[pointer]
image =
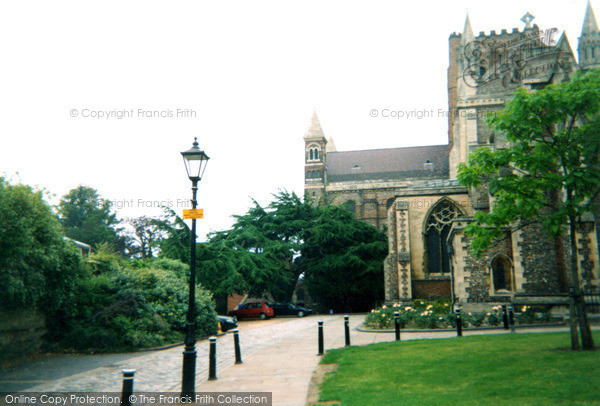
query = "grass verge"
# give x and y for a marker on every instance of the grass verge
(511, 369)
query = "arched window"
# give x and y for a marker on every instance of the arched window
(502, 273)
(316, 153)
(437, 228)
(310, 155)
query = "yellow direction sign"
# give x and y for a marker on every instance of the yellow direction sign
(193, 214)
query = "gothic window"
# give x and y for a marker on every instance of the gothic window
(436, 233)
(502, 273)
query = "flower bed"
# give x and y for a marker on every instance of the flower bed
(423, 314)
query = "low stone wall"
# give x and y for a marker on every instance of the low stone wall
(431, 289)
(21, 333)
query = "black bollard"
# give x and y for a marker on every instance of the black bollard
(212, 359)
(511, 318)
(397, 325)
(505, 317)
(236, 343)
(458, 323)
(347, 330)
(127, 390)
(321, 351)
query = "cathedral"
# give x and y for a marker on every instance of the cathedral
(413, 193)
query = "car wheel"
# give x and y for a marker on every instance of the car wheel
(300, 313)
(263, 316)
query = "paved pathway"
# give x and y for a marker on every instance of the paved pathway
(279, 356)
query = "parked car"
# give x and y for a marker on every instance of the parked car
(289, 309)
(226, 323)
(250, 310)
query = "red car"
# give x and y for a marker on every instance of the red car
(249, 310)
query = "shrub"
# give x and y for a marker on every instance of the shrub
(421, 314)
(126, 309)
(430, 315)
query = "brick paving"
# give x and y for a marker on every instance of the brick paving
(278, 357)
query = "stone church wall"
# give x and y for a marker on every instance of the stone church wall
(473, 275)
(544, 261)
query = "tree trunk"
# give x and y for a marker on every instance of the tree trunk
(573, 325)
(587, 341)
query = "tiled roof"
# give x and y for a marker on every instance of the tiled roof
(426, 162)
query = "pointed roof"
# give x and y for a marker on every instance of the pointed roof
(330, 145)
(589, 21)
(467, 35)
(314, 130)
(563, 44)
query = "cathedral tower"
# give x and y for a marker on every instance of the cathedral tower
(589, 43)
(315, 154)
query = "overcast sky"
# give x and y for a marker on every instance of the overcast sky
(242, 76)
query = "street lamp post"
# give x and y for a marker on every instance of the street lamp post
(195, 163)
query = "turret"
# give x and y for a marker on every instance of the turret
(315, 155)
(588, 49)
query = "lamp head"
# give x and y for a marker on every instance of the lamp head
(195, 161)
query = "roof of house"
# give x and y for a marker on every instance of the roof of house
(426, 162)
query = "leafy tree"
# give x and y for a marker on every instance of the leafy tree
(257, 255)
(86, 217)
(146, 235)
(550, 172)
(269, 248)
(37, 267)
(175, 243)
(342, 260)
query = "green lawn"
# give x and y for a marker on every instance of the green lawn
(510, 369)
